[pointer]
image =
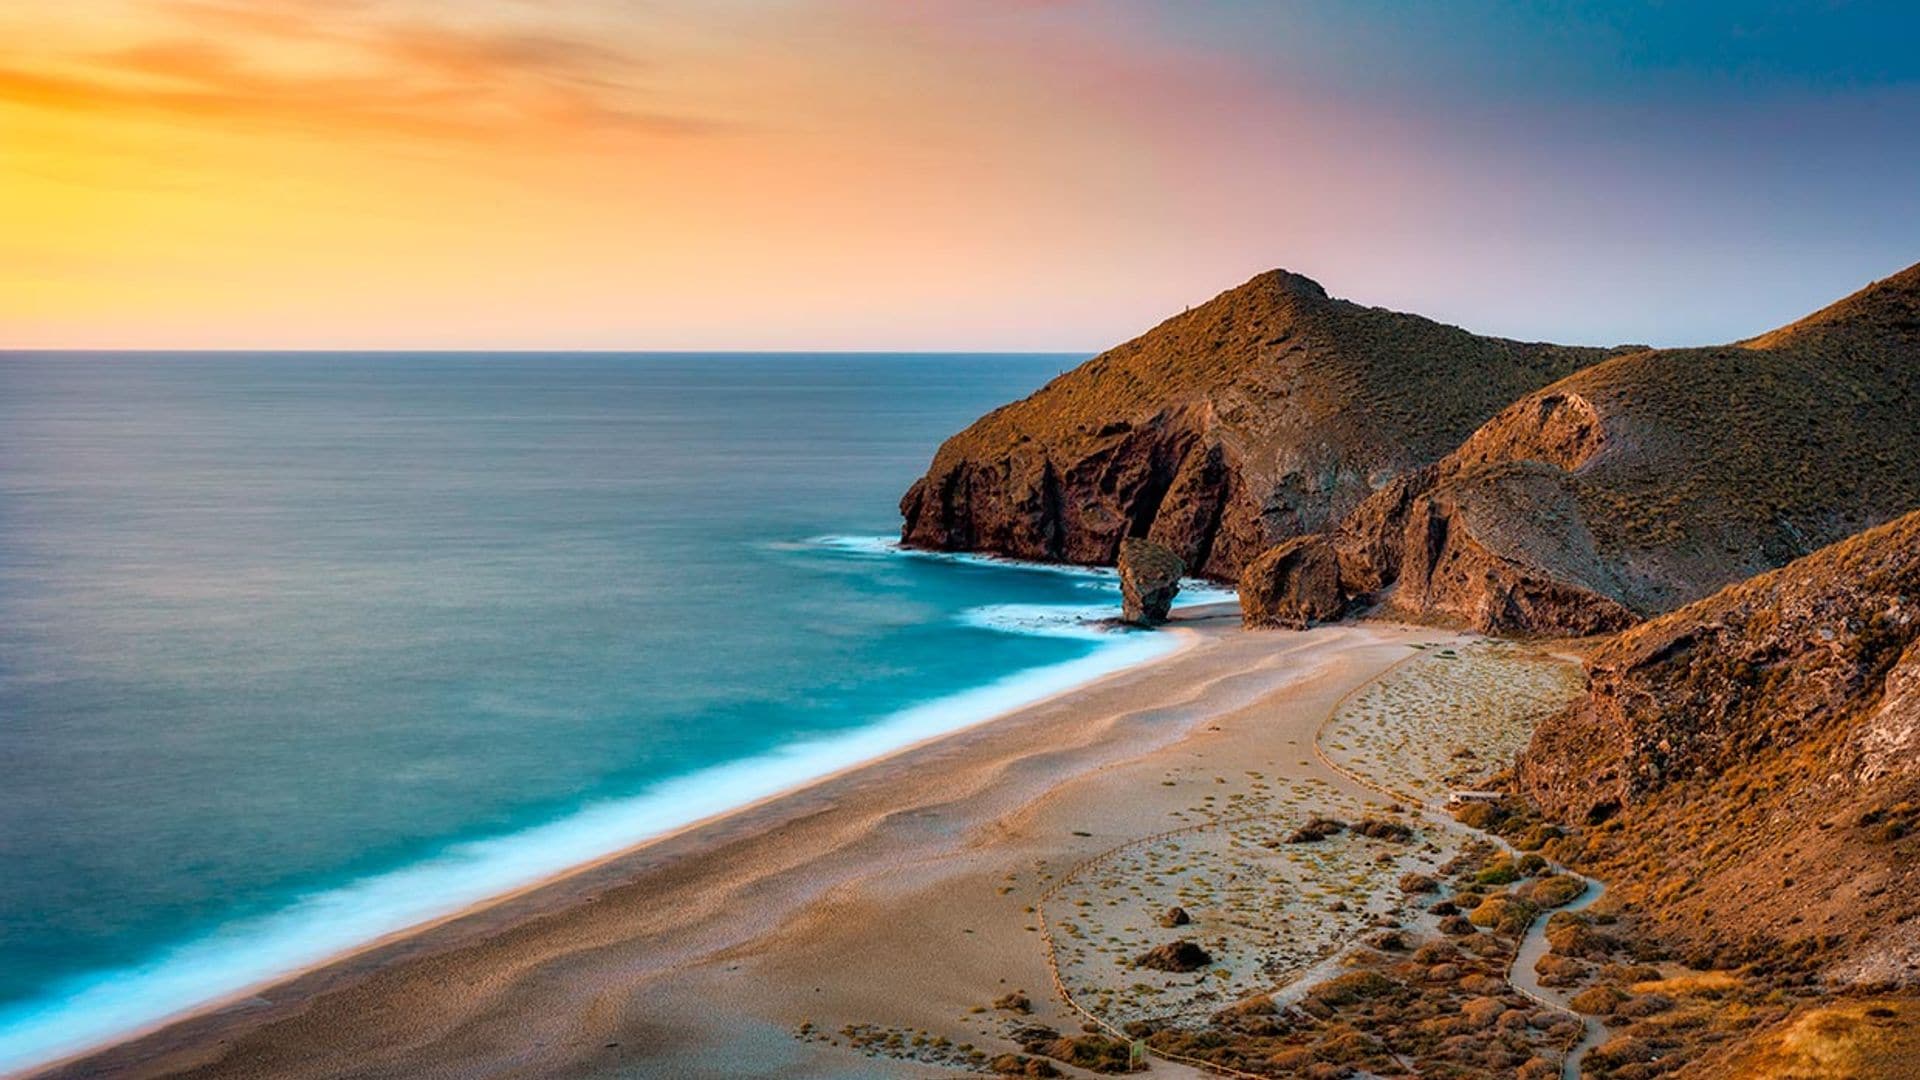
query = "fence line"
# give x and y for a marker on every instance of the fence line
(1072, 873)
(1052, 953)
(1438, 816)
(1427, 810)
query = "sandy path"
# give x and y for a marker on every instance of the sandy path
(1533, 946)
(1403, 735)
(893, 896)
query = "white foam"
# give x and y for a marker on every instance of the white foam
(1093, 622)
(90, 1010)
(1193, 591)
(891, 547)
(1041, 620)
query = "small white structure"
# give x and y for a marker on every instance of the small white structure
(1460, 798)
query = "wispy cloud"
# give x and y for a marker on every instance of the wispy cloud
(352, 64)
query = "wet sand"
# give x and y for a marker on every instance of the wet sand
(896, 898)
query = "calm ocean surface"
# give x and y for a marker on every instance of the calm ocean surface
(296, 650)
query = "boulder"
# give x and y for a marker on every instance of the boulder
(1369, 540)
(1293, 585)
(1149, 580)
(1178, 956)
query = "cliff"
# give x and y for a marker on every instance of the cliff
(1655, 477)
(1748, 767)
(1269, 412)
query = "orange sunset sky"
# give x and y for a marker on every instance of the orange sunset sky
(941, 175)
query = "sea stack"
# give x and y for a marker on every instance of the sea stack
(1149, 579)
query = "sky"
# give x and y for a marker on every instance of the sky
(935, 174)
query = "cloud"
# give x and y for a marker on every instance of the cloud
(349, 64)
(483, 55)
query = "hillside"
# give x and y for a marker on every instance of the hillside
(1268, 412)
(1652, 478)
(1746, 770)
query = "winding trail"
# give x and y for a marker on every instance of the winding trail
(1523, 978)
(1520, 974)
(1533, 944)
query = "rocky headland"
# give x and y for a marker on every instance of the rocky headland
(1330, 457)
(1269, 412)
(1734, 531)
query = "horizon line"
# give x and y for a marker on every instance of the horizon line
(537, 351)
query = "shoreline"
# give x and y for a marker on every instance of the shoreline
(890, 892)
(1184, 640)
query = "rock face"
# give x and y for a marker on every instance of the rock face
(1269, 412)
(1294, 585)
(1506, 550)
(1653, 478)
(1761, 746)
(1149, 580)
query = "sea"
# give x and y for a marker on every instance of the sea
(298, 650)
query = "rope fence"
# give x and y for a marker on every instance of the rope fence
(1073, 873)
(1427, 810)
(1438, 816)
(1052, 952)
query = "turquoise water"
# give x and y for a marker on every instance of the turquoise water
(296, 650)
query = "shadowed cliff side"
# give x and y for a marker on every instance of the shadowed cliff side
(1268, 412)
(1747, 768)
(1653, 478)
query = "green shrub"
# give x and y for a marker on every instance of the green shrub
(1095, 1052)
(1504, 912)
(1501, 871)
(1383, 829)
(1596, 1001)
(1477, 815)
(1537, 837)
(1552, 892)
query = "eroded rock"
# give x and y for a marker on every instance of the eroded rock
(1178, 956)
(1149, 580)
(1763, 712)
(1293, 585)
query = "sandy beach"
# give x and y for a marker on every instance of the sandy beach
(889, 907)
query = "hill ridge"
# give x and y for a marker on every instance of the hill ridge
(1651, 478)
(1267, 412)
(1760, 745)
